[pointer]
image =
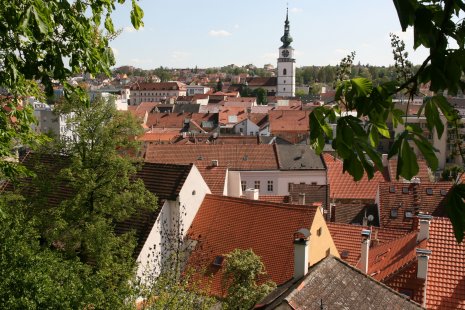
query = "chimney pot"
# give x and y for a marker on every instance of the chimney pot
(424, 221)
(423, 257)
(301, 240)
(365, 250)
(251, 193)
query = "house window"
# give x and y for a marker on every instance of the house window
(284, 73)
(257, 185)
(270, 186)
(393, 213)
(318, 232)
(392, 189)
(314, 183)
(408, 214)
(405, 190)
(443, 192)
(218, 261)
(429, 191)
(243, 185)
(407, 292)
(289, 185)
(284, 81)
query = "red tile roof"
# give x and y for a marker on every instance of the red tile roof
(215, 178)
(348, 238)
(167, 120)
(232, 156)
(223, 224)
(262, 81)
(428, 198)
(343, 186)
(288, 120)
(446, 269)
(423, 172)
(226, 111)
(277, 199)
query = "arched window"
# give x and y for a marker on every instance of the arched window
(284, 71)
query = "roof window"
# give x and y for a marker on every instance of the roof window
(443, 192)
(404, 190)
(393, 213)
(392, 189)
(429, 191)
(199, 157)
(344, 254)
(408, 214)
(218, 261)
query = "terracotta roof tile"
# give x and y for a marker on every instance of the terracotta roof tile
(215, 178)
(223, 224)
(288, 121)
(343, 185)
(348, 239)
(446, 270)
(232, 156)
(408, 198)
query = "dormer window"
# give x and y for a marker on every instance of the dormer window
(408, 214)
(218, 261)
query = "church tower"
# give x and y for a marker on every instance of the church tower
(286, 64)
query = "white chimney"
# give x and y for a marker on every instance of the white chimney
(384, 159)
(424, 221)
(251, 193)
(423, 257)
(365, 250)
(301, 198)
(301, 240)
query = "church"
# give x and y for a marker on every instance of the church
(284, 84)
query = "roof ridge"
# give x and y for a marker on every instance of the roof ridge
(262, 202)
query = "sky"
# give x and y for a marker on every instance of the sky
(215, 33)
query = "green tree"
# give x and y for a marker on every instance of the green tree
(37, 39)
(356, 140)
(79, 196)
(261, 95)
(242, 271)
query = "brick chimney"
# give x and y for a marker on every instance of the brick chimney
(365, 250)
(424, 221)
(301, 240)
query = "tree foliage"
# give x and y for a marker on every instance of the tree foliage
(46, 41)
(358, 136)
(242, 271)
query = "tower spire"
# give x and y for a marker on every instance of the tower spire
(286, 38)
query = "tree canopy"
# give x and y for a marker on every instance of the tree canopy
(434, 27)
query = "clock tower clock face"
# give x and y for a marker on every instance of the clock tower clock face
(285, 53)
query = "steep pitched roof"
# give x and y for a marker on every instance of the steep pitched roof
(289, 120)
(423, 172)
(232, 156)
(215, 178)
(298, 157)
(446, 271)
(262, 81)
(312, 193)
(343, 185)
(398, 201)
(348, 239)
(231, 115)
(168, 120)
(223, 224)
(332, 284)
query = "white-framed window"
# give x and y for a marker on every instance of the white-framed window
(243, 185)
(257, 185)
(270, 186)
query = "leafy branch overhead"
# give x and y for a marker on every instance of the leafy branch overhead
(361, 111)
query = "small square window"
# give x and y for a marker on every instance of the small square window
(289, 185)
(393, 213)
(405, 190)
(392, 189)
(429, 191)
(443, 192)
(408, 214)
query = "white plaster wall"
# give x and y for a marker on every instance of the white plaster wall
(281, 179)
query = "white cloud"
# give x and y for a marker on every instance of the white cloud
(296, 10)
(219, 33)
